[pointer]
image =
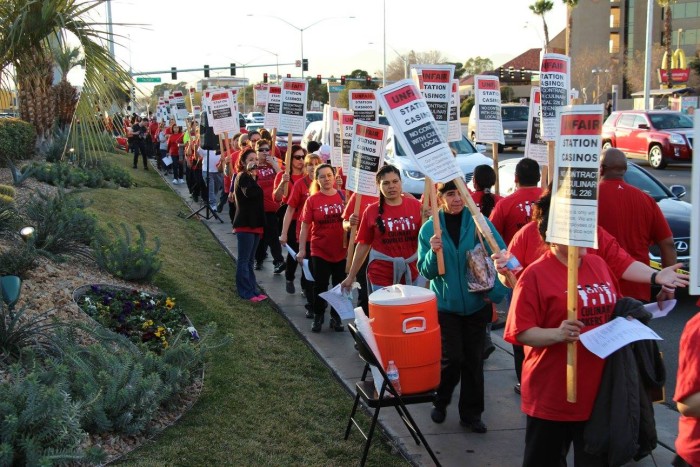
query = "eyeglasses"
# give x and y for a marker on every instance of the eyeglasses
(298, 158)
(263, 149)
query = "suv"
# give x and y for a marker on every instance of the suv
(514, 119)
(254, 117)
(659, 136)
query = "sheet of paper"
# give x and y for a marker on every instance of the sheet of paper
(304, 265)
(339, 300)
(616, 334)
(657, 312)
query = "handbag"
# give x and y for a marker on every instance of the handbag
(481, 273)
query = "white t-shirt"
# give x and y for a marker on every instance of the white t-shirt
(209, 163)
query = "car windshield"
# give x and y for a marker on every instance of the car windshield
(666, 121)
(642, 180)
(514, 114)
(314, 117)
(463, 146)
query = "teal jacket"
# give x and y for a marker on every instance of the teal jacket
(451, 288)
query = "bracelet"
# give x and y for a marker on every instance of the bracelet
(653, 277)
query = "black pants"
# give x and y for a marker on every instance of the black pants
(363, 293)
(138, 147)
(518, 359)
(177, 168)
(271, 238)
(547, 443)
(324, 271)
(462, 359)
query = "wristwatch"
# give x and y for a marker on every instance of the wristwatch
(653, 277)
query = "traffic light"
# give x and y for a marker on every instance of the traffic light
(369, 80)
(233, 69)
(289, 75)
(305, 64)
(173, 73)
(133, 93)
(206, 71)
(511, 72)
(342, 80)
(264, 77)
(500, 72)
(318, 79)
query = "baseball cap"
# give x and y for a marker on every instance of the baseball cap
(325, 152)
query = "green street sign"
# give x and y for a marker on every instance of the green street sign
(147, 79)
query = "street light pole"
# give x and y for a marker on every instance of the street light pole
(384, 49)
(597, 72)
(277, 58)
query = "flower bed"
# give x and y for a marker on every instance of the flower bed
(149, 320)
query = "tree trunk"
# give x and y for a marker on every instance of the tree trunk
(36, 104)
(546, 33)
(669, 53)
(66, 100)
(569, 27)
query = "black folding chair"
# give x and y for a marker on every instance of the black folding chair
(365, 389)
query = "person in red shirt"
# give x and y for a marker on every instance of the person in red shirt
(268, 167)
(687, 396)
(291, 226)
(515, 210)
(633, 218)
(322, 222)
(174, 142)
(388, 231)
(284, 182)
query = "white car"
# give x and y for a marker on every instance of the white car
(255, 117)
(413, 180)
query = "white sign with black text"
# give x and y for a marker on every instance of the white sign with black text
(435, 84)
(272, 108)
(293, 110)
(535, 147)
(487, 98)
(555, 81)
(367, 155)
(695, 217)
(363, 104)
(454, 130)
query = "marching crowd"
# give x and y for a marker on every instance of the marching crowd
(304, 208)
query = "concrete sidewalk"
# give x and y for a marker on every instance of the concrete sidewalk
(504, 443)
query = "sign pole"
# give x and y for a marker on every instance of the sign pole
(288, 161)
(353, 233)
(436, 223)
(494, 151)
(425, 212)
(571, 308)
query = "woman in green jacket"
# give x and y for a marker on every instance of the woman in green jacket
(462, 314)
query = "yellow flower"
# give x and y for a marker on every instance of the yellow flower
(165, 344)
(169, 303)
(147, 324)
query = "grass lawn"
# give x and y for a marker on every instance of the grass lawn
(267, 398)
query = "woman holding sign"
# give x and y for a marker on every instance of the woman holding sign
(462, 314)
(538, 320)
(389, 234)
(322, 223)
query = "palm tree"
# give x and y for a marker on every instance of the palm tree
(66, 59)
(570, 5)
(65, 95)
(25, 59)
(667, 61)
(540, 7)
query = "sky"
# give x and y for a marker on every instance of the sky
(217, 32)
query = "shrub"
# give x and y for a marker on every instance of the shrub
(7, 190)
(20, 175)
(61, 222)
(54, 151)
(17, 260)
(17, 139)
(6, 200)
(90, 174)
(132, 262)
(20, 332)
(9, 217)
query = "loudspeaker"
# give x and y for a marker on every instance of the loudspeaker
(209, 140)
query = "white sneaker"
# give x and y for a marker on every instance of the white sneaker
(181, 181)
(175, 182)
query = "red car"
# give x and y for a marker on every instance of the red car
(659, 136)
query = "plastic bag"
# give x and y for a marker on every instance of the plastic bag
(481, 273)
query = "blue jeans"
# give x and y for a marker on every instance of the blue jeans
(216, 183)
(245, 275)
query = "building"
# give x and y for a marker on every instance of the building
(609, 34)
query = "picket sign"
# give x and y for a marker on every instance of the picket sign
(288, 161)
(489, 124)
(437, 230)
(571, 312)
(425, 211)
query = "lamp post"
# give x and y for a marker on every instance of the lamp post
(597, 72)
(301, 31)
(277, 58)
(403, 59)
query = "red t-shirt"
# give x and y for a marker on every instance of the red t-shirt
(400, 239)
(350, 206)
(477, 195)
(297, 198)
(514, 211)
(635, 220)
(528, 247)
(278, 180)
(266, 180)
(688, 383)
(173, 141)
(539, 300)
(323, 213)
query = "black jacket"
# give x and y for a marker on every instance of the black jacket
(250, 212)
(622, 426)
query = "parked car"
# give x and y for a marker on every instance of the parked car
(514, 118)
(253, 126)
(413, 179)
(676, 211)
(313, 117)
(254, 117)
(282, 139)
(658, 136)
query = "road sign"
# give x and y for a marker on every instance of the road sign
(148, 79)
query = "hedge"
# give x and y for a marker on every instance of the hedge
(17, 140)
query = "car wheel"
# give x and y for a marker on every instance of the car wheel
(607, 145)
(656, 157)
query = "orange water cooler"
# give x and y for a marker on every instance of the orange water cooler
(406, 328)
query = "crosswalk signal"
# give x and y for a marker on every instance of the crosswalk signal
(264, 77)
(305, 64)
(318, 79)
(342, 80)
(173, 73)
(206, 71)
(233, 69)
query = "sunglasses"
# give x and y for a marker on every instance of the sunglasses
(264, 150)
(298, 158)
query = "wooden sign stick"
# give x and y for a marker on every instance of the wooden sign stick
(353, 233)
(436, 223)
(426, 201)
(288, 162)
(551, 146)
(571, 305)
(481, 224)
(494, 151)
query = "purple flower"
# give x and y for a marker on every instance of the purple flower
(95, 288)
(127, 307)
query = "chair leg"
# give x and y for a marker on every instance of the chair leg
(419, 433)
(411, 429)
(352, 415)
(370, 433)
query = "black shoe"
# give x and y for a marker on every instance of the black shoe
(318, 322)
(279, 266)
(289, 287)
(309, 311)
(258, 265)
(438, 414)
(488, 351)
(516, 388)
(477, 426)
(336, 324)
(219, 206)
(135, 167)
